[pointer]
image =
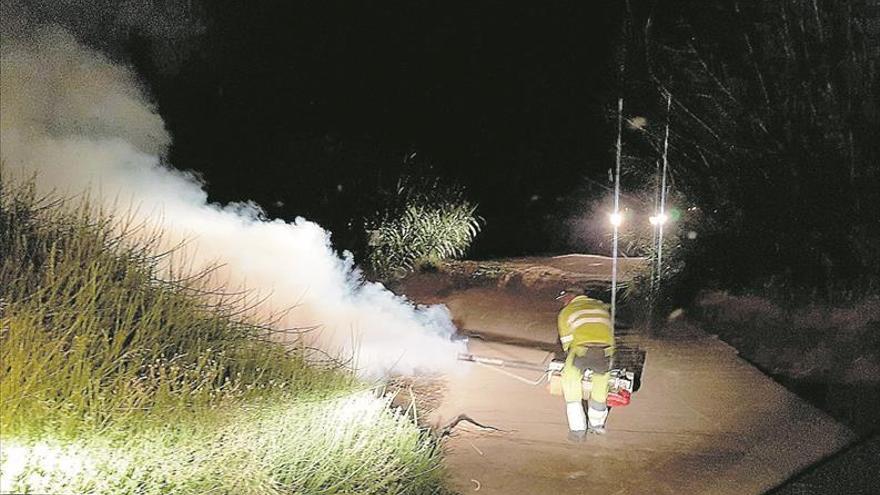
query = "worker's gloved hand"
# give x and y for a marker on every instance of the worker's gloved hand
(596, 430)
(577, 436)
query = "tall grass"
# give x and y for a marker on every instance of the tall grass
(93, 335)
(153, 382)
(352, 444)
(429, 224)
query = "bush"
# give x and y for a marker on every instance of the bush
(422, 228)
(118, 377)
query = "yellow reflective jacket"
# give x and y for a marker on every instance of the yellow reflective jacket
(585, 321)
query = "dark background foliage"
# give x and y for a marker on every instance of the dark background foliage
(318, 108)
(775, 131)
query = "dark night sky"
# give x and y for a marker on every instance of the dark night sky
(283, 101)
(310, 108)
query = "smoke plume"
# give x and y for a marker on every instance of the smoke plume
(79, 122)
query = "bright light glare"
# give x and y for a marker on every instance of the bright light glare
(616, 219)
(355, 411)
(39, 466)
(658, 219)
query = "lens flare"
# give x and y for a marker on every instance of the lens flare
(659, 219)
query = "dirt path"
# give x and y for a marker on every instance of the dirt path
(704, 420)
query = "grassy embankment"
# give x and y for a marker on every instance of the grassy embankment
(117, 378)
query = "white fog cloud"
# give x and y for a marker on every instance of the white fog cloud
(78, 122)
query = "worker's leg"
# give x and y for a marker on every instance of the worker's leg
(597, 409)
(572, 390)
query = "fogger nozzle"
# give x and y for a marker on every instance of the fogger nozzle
(504, 363)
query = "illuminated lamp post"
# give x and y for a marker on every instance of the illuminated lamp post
(660, 219)
(616, 218)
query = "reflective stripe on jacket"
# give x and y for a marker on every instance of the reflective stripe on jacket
(585, 321)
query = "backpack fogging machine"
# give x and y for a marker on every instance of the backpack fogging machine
(621, 384)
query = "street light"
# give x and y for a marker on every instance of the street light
(615, 218)
(659, 219)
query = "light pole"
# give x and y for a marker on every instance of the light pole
(616, 218)
(660, 219)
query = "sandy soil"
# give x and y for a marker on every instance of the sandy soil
(704, 421)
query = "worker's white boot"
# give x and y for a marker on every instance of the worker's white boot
(597, 414)
(577, 420)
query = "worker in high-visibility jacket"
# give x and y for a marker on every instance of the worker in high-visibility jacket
(587, 336)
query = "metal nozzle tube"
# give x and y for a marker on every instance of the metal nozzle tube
(504, 363)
